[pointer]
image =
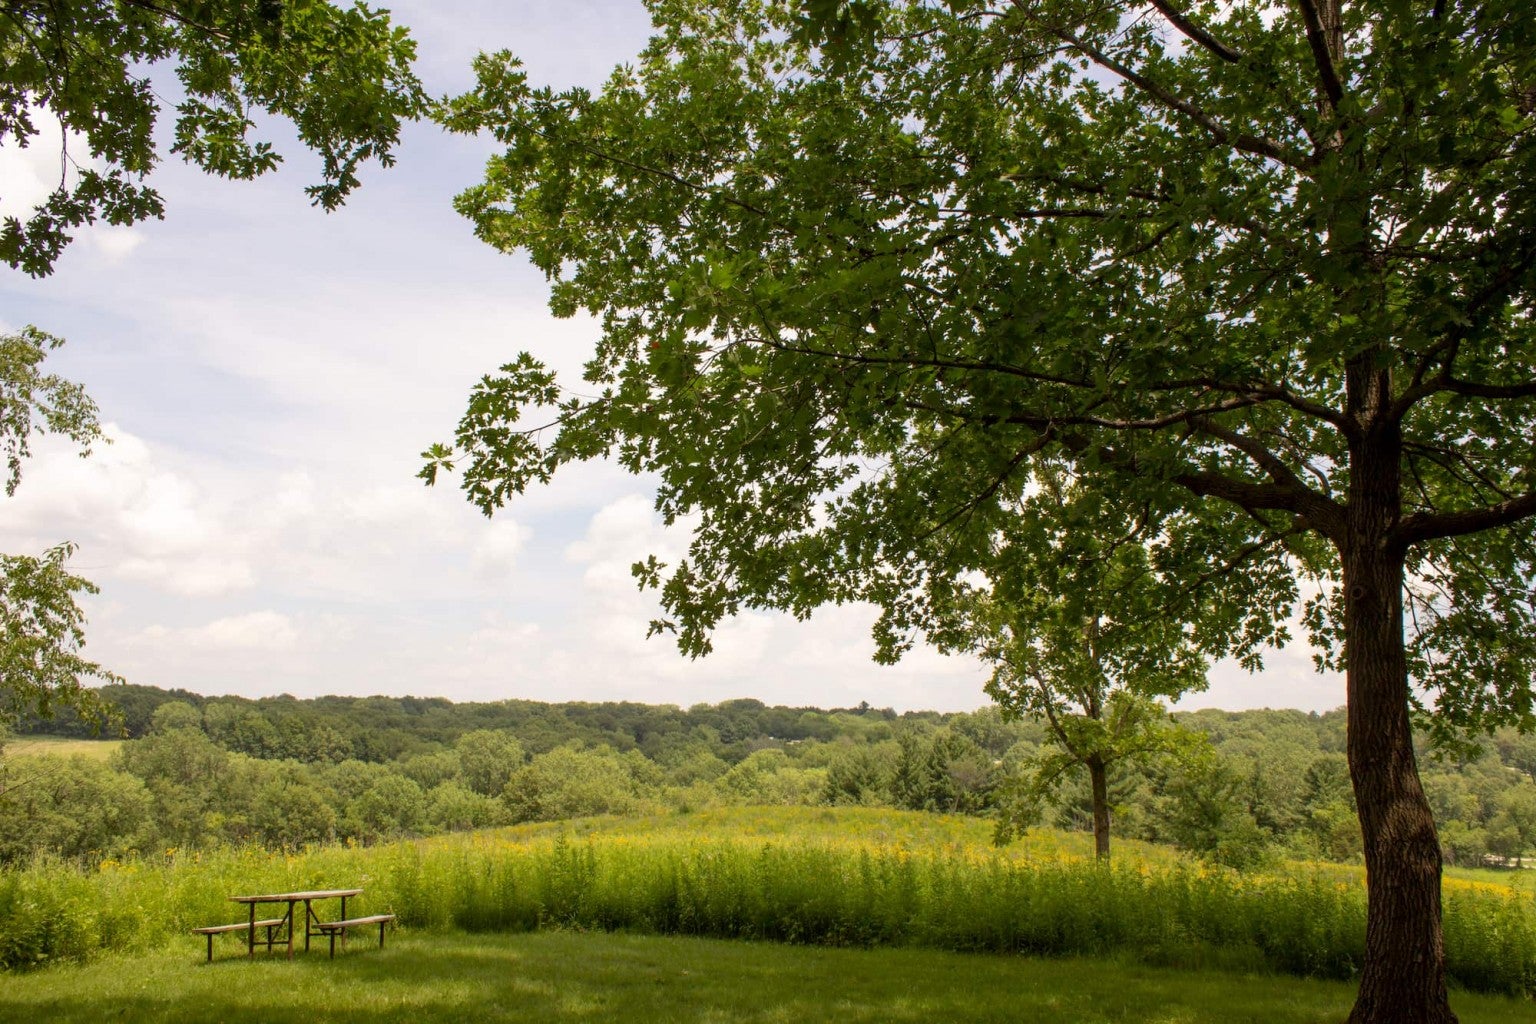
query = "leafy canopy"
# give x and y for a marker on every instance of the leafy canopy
(342, 76)
(1264, 271)
(851, 302)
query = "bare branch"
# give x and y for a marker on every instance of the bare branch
(1037, 213)
(1444, 352)
(1243, 555)
(1319, 509)
(915, 361)
(176, 16)
(1260, 391)
(968, 507)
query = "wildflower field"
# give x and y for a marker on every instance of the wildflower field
(839, 877)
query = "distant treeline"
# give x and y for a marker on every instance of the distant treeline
(198, 772)
(381, 729)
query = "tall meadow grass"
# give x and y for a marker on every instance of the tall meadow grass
(731, 883)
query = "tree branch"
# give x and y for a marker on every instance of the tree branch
(1427, 526)
(1325, 40)
(1260, 391)
(1181, 22)
(1445, 351)
(1318, 509)
(968, 507)
(1322, 514)
(1526, 389)
(1241, 558)
(914, 361)
(1254, 144)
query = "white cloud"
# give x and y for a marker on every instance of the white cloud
(29, 174)
(620, 534)
(192, 577)
(496, 553)
(115, 242)
(163, 513)
(596, 647)
(268, 631)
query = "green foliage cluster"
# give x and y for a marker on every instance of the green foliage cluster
(342, 75)
(42, 629)
(717, 882)
(1247, 788)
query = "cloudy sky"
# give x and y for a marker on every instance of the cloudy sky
(270, 374)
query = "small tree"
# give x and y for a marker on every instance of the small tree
(1201, 808)
(1083, 633)
(42, 628)
(487, 759)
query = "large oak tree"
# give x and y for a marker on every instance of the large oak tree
(1264, 270)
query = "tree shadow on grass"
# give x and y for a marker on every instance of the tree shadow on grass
(566, 976)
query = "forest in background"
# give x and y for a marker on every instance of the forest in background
(198, 772)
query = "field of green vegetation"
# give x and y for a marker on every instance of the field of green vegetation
(566, 975)
(839, 838)
(843, 877)
(283, 773)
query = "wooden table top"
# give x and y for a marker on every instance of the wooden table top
(294, 897)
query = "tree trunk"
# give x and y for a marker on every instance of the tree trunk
(1098, 777)
(1403, 978)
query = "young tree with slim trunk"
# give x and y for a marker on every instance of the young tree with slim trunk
(1083, 633)
(1265, 270)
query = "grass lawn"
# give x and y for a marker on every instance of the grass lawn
(568, 976)
(61, 746)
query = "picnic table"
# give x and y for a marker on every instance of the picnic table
(293, 899)
(278, 928)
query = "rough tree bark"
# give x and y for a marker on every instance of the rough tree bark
(1098, 774)
(1403, 981)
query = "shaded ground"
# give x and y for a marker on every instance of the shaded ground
(566, 976)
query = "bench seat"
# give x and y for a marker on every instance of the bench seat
(244, 926)
(334, 928)
(216, 929)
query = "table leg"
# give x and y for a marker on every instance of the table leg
(250, 936)
(309, 917)
(290, 929)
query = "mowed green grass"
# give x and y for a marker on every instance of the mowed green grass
(571, 976)
(61, 746)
